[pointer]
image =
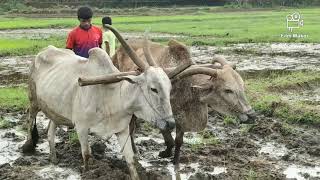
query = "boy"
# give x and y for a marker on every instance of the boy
(86, 36)
(108, 38)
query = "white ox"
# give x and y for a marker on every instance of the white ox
(104, 109)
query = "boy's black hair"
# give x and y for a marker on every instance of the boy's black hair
(85, 13)
(107, 20)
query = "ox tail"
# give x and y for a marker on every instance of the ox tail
(33, 136)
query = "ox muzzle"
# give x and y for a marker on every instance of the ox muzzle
(167, 123)
(248, 117)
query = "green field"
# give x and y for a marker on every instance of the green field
(201, 28)
(265, 95)
(18, 47)
(13, 98)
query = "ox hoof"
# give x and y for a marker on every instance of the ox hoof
(85, 168)
(249, 121)
(165, 154)
(54, 160)
(175, 161)
(28, 147)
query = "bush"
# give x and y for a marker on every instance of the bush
(13, 5)
(270, 3)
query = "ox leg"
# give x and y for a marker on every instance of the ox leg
(178, 141)
(83, 138)
(168, 140)
(51, 137)
(125, 144)
(132, 128)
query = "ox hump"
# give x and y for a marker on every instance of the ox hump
(47, 55)
(100, 57)
(179, 51)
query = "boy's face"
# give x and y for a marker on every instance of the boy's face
(85, 23)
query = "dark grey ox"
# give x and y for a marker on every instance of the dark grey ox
(190, 97)
(105, 107)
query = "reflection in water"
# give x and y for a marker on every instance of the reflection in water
(218, 170)
(300, 172)
(273, 150)
(308, 96)
(176, 174)
(54, 172)
(8, 148)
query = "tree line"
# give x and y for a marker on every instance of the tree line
(16, 4)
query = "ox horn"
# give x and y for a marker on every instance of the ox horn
(221, 60)
(143, 66)
(105, 79)
(117, 77)
(173, 72)
(196, 70)
(212, 66)
(147, 53)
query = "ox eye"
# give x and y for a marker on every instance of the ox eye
(228, 91)
(154, 90)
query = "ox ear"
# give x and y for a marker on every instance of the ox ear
(200, 91)
(200, 88)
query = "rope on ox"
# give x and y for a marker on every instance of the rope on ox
(154, 109)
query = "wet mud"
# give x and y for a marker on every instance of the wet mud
(262, 58)
(255, 58)
(47, 33)
(268, 149)
(14, 70)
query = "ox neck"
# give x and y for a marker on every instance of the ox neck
(130, 93)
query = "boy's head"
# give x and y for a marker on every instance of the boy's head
(84, 15)
(106, 20)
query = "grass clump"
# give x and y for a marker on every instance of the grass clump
(73, 137)
(298, 115)
(5, 124)
(251, 175)
(265, 96)
(13, 97)
(201, 140)
(229, 120)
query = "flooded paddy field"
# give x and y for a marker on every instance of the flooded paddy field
(46, 33)
(266, 150)
(269, 149)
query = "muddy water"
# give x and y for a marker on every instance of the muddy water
(10, 153)
(33, 33)
(14, 70)
(46, 33)
(259, 57)
(302, 172)
(10, 141)
(311, 96)
(241, 149)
